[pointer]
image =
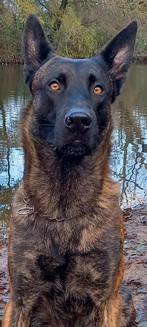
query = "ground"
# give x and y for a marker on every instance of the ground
(136, 261)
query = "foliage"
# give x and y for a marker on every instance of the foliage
(75, 39)
(76, 27)
(9, 37)
(24, 8)
(113, 15)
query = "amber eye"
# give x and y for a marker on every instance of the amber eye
(98, 90)
(54, 86)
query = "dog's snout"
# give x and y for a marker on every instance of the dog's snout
(78, 119)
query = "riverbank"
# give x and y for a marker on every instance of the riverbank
(136, 261)
(18, 60)
(141, 59)
(11, 61)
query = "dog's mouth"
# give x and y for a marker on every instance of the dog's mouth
(74, 149)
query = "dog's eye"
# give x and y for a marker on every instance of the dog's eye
(54, 86)
(98, 90)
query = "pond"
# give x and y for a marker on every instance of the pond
(129, 154)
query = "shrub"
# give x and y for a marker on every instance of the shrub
(75, 40)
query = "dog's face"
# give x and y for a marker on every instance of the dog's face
(72, 97)
(70, 101)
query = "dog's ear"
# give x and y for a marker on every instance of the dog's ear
(36, 49)
(118, 55)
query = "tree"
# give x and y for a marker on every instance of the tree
(24, 8)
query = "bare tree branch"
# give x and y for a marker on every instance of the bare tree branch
(43, 4)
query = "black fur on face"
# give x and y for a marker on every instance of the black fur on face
(72, 97)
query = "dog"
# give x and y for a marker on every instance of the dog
(66, 260)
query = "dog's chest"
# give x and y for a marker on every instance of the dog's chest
(77, 281)
(74, 269)
(82, 277)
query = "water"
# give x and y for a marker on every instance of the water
(129, 156)
(13, 96)
(128, 162)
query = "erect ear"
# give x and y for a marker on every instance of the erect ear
(35, 47)
(118, 55)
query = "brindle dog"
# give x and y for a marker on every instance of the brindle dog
(66, 232)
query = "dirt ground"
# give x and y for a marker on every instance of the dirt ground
(136, 261)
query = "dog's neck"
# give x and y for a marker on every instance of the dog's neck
(62, 187)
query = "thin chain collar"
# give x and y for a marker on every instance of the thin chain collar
(29, 210)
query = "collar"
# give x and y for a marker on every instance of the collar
(29, 210)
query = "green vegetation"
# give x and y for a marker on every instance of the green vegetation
(76, 27)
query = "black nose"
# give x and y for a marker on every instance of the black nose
(78, 119)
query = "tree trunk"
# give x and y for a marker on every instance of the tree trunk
(62, 8)
(63, 5)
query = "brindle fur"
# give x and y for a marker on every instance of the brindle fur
(66, 273)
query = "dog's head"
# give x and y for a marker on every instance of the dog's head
(72, 97)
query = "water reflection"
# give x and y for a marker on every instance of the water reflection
(129, 156)
(13, 97)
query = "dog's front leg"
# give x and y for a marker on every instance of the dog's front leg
(119, 310)
(13, 317)
(7, 319)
